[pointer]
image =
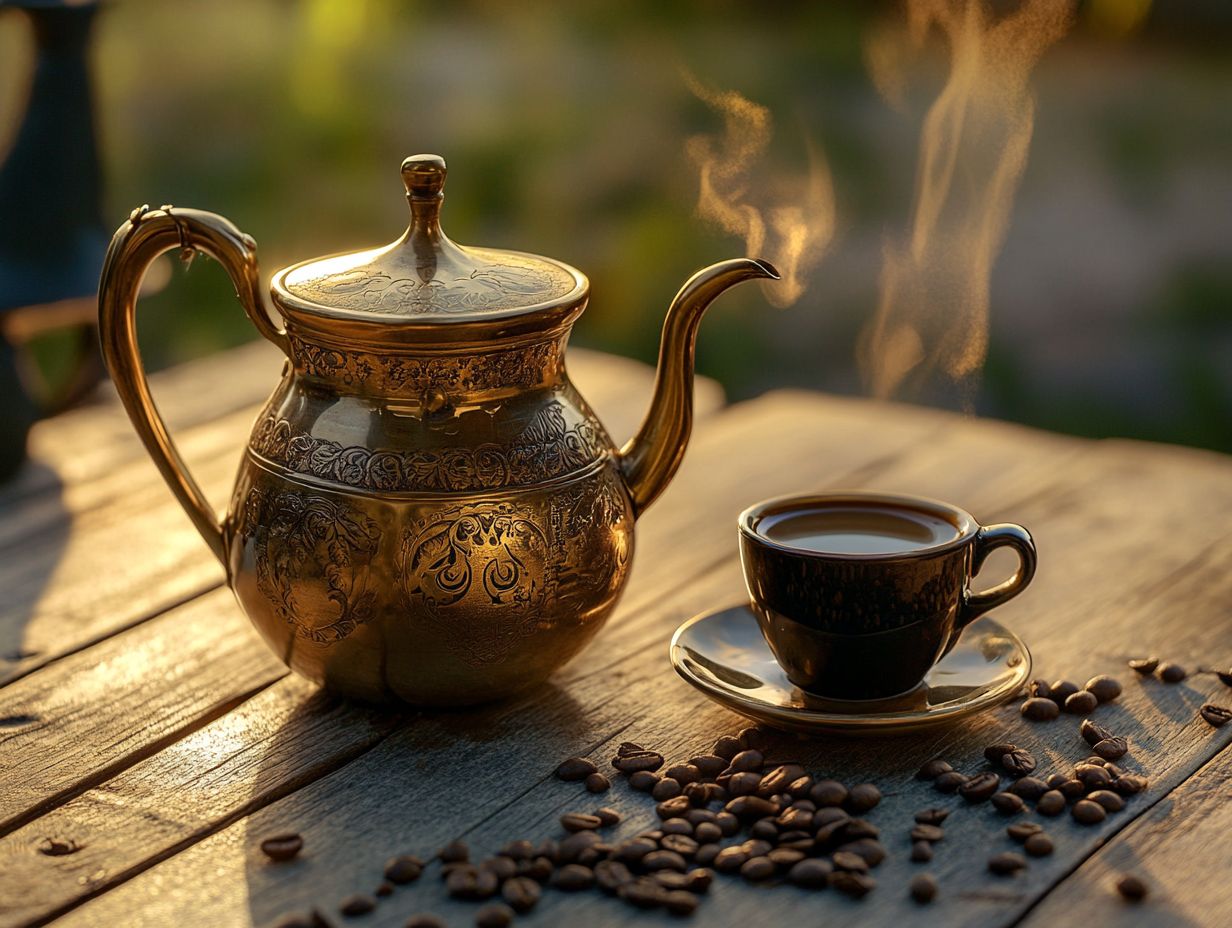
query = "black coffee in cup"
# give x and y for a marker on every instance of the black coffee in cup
(859, 594)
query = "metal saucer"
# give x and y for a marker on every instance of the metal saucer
(724, 655)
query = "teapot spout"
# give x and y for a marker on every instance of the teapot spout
(649, 461)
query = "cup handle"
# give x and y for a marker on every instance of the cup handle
(987, 540)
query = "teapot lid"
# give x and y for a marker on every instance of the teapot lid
(424, 277)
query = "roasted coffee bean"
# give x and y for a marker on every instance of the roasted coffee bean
(522, 893)
(1039, 709)
(1008, 803)
(664, 860)
(574, 769)
(644, 893)
(1081, 703)
(778, 779)
(673, 808)
(1039, 689)
(637, 760)
(1018, 763)
(643, 780)
(1129, 784)
(424, 920)
(471, 883)
(680, 902)
(1029, 788)
(810, 873)
(923, 888)
(696, 816)
(994, 752)
(1132, 888)
(949, 782)
(708, 833)
(765, 829)
(828, 793)
(933, 769)
(1172, 673)
(494, 915)
(277, 847)
(731, 859)
(1092, 732)
(980, 787)
(1038, 845)
(537, 869)
(706, 853)
(633, 850)
(1111, 748)
(829, 815)
(927, 833)
(753, 738)
(357, 904)
(784, 858)
(932, 816)
(666, 788)
(757, 847)
(580, 821)
(727, 823)
(862, 797)
(454, 852)
(699, 880)
(501, 867)
(922, 852)
(607, 816)
(683, 773)
(1104, 687)
(1006, 863)
(1020, 831)
(1076, 789)
(597, 783)
(1051, 803)
(856, 885)
(1225, 676)
(1215, 716)
(750, 808)
(629, 747)
(571, 848)
(522, 850)
(681, 844)
(726, 747)
(798, 788)
(574, 877)
(748, 760)
(670, 879)
(846, 860)
(744, 783)
(1061, 691)
(1086, 812)
(1144, 665)
(794, 820)
(403, 869)
(756, 869)
(869, 848)
(857, 828)
(709, 766)
(1111, 801)
(384, 889)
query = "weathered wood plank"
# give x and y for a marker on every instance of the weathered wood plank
(418, 788)
(111, 548)
(77, 722)
(268, 746)
(1180, 848)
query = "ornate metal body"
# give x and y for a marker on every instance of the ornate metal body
(427, 511)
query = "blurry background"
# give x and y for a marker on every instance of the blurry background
(565, 128)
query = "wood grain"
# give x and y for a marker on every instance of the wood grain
(1098, 507)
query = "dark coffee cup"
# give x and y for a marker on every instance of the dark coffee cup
(860, 594)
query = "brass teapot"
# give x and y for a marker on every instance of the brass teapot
(427, 510)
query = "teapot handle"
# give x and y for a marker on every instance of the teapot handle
(147, 235)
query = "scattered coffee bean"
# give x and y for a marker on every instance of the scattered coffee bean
(403, 869)
(471, 883)
(1051, 803)
(1092, 732)
(1144, 665)
(811, 873)
(1129, 784)
(666, 788)
(573, 877)
(731, 859)
(1081, 703)
(1008, 803)
(643, 780)
(1225, 676)
(846, 860)
(922, 852)
(932, 816)
(1076, 788)
(637, 760)
(923, 888)
(933, 769)
(1215, 716)
(1006, 863)
(923, 832)
(680, 902)
(1111, 801)
(726, 747)
(750, 808)
(1132, 888)
(1018, 762)
(749, 760)
(683, 773)
(384, 889)
(281, 848)
(1062, 690)
(765, 829)
(1104, 687)
(607, 816)
(1111, 748)
(862, 797)
(756, 869)
(1086, 812)
(1038, 845)
(980, 787)
(597, 783)
(629, 747)
(1172, 673)
(673, 808)
(1039, 689)
(699, 880)
(454, 852)
(1020, 831)
(1029, 788)
(494, 915)
(1039, 709)
(574, 769)
(522, 893)
(856, 885)
(580, 821)
(54, 847)
(994, 752)
(949, 782)
(425, 920)
(358, 904)
(643, 893)
(709, 766)
(828, 793)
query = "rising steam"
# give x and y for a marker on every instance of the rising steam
(933, 308)
(791, 234)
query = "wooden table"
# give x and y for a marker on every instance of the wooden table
(142, 721)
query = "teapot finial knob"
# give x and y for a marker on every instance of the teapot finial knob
(424, 176)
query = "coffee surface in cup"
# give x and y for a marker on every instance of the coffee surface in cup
(857, 530)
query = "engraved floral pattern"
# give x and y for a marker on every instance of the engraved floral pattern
(547, 448)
